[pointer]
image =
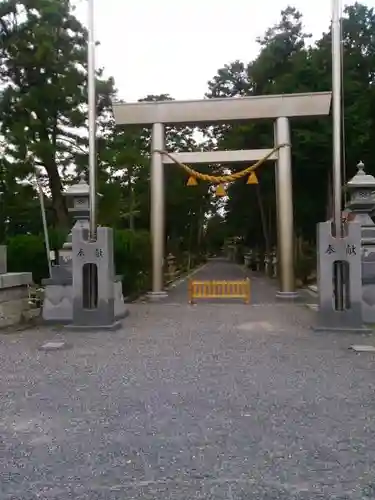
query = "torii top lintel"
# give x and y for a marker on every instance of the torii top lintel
(223, 110)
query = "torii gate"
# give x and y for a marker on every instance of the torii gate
(280, 108)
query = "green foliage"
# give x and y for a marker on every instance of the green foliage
(28, 252)
(57, 238)
(43, 112)
(286, 64)
(216, 234)
(43, 54)
(132, 253)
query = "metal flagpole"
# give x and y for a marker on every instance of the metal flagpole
(92, 277)
(336, 168)
(43, 213)
(44, 221)
(92, 117)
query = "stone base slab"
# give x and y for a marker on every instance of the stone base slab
(92, 328)
(15, 293)
(14, 298)
(155, 296)
(58, 303)
(13, 312)
(287, 295)
(343, 329)
(10, 280)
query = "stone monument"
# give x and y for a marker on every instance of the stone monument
(346, 252)
(360, 206)
(94, 282)
(58, 295)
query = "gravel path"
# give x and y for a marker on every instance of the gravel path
(263, 290)
(186, 402)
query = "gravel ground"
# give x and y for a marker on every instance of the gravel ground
(186, 402)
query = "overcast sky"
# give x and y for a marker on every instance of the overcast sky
(176, 46)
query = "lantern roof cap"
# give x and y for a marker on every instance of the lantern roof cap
(81, 188)
(361, 179)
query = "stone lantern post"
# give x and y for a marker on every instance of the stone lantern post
(77, 197)
(362, 203)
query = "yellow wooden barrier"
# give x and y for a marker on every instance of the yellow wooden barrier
(219, 290)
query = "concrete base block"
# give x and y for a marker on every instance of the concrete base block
(347, 251)
(287, 296)
(343, 329)
(121, 309)
(313, 289)
(58, 303)
(10, 280)
(117, 325)
(341, 321)
(3, 259)
(54, 345)
(31, 314)
(13, 312)
(156, 296)
(14, 298)
(368, 303)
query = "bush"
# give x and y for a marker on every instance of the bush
(305, 262)
(305, 265)
(132, 255)
(187, 261)
(27, 253)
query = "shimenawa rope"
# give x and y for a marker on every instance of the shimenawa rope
(219, 179)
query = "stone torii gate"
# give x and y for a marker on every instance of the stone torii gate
(280, 108)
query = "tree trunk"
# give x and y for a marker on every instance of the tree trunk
(200, 227)
(61, 217)
(131, 203)
(58, 200)
(132, 208)
(263, 219)
(329, 204)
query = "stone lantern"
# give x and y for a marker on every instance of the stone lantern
(57, 304)
(78, 197)
(79, 194)
(362, 197)
(362, 203)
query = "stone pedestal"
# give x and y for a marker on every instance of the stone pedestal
(58, 294)
(274, 264)
(231, 252)
(14, 294)
(157, 296)
(257, 261)
(266, 262)
(345, 250)
(94, 307)
(3, 259)
(58, 301)
(14, 298)
(368, 285)
(171, 268)
(360, 206)
(247, 259)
